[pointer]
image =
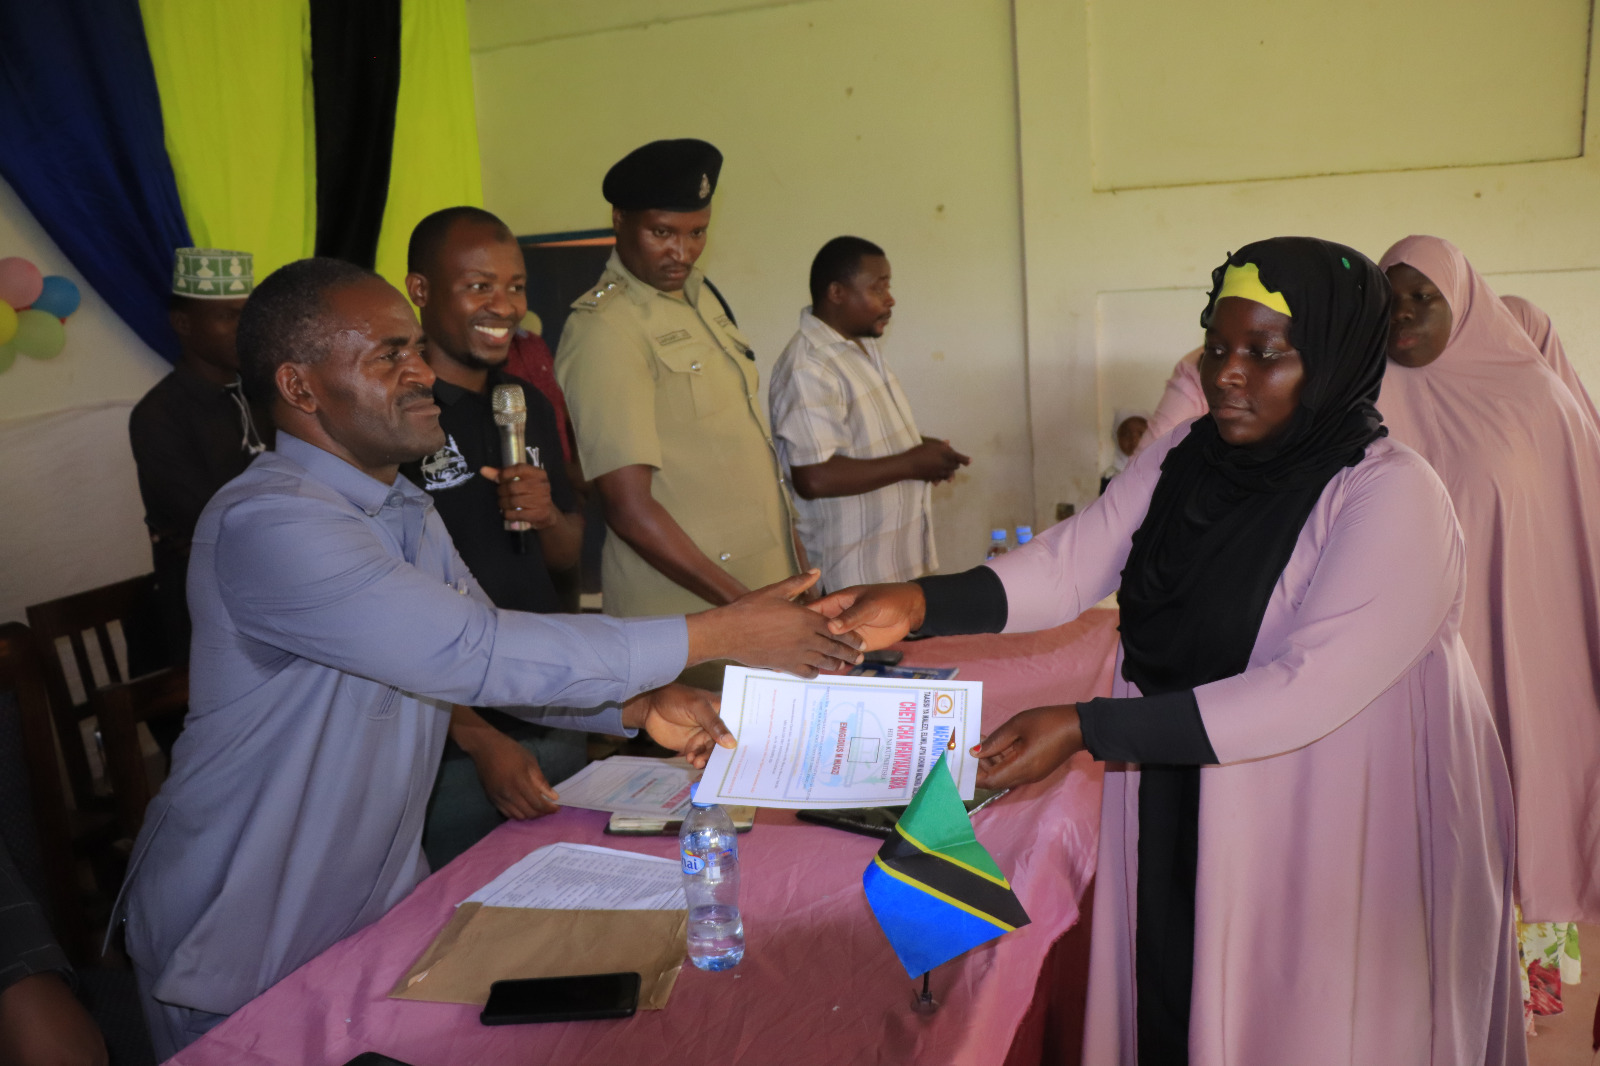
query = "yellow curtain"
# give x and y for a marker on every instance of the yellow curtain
(435, 162)
(235, 83)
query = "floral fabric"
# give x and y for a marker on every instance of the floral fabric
(1549, 957)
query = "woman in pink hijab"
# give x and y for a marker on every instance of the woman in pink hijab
(1181, 401)
(1520, 455)
(1537, 325)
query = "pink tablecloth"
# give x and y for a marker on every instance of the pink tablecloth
(819, 983)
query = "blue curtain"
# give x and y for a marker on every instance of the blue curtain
(81, 143)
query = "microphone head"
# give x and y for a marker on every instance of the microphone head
(509, 405)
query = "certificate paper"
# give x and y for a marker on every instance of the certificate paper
(839, 741)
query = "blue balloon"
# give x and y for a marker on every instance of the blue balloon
(60, 296)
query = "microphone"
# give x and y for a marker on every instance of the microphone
(511, 418)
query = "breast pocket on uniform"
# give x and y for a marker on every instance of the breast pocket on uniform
(740, 341)
(691, 374)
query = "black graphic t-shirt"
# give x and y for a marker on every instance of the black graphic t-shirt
(469, 503)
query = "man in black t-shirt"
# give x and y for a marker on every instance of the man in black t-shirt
(467, 278)
(515, 575)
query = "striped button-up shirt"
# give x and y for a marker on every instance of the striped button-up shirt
(832, 396)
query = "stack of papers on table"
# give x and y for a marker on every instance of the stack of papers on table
(629, 784)
(586, 878)
(562, 910)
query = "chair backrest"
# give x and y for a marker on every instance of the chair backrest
(120, 708)
(127, 603)
(21, 677)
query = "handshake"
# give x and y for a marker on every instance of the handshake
(767, 628)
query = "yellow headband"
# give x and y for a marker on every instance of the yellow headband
(1245, 283)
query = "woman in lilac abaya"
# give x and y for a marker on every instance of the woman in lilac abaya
(1306, 838)
(1510, 431)
(1537, 325)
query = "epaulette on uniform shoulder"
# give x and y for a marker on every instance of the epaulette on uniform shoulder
(594, 298)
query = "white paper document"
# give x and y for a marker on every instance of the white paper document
(629, 784)
(582, 877)
(840, 741)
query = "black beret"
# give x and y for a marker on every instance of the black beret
(676, 175)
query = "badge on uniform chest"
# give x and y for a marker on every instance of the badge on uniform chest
(674, 337)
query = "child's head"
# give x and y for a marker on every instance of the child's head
(1130, 429)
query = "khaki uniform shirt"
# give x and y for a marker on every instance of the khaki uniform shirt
(668, 383)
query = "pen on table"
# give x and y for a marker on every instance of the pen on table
(988, 801)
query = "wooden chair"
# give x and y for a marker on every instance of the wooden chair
(129, 603)
(55, 827)
(120, 708)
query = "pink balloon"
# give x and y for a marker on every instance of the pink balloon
(20, 282)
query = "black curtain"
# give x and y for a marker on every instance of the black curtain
(355, 82)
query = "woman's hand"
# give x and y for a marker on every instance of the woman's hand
(682, 718)
(879, 614)
(1029, 746)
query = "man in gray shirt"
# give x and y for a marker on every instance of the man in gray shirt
(334, 627)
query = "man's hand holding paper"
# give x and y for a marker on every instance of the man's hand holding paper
(681, 718)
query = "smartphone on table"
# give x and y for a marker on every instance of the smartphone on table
(562, 999)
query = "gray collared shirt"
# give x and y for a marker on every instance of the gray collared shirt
(334, 625)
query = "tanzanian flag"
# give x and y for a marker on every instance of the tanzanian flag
(933, 888)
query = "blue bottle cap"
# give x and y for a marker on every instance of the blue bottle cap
(693, 802)
(998, 534)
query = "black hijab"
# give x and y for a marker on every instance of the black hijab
(1222, 523)
(1224, 519)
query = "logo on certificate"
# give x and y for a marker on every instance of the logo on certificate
(944, 703)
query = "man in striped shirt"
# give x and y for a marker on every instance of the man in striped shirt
(860, 470)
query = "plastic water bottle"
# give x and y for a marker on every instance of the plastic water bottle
(1024, 534)
(997, 544)
(710, 848)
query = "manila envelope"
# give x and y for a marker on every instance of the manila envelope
(481, 945)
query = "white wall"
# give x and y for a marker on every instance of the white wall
(871, 117)
(1115, 279)
(103, 358)
(1148, 140)
(70, 516)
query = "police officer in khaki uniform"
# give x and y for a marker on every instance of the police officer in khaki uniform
(663, 391)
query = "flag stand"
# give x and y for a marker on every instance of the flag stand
(923, 1002)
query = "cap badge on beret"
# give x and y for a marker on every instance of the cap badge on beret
(678, 175)
(212, 273)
